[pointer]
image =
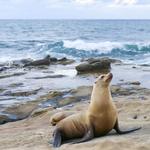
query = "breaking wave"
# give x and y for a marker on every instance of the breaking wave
(73, 48)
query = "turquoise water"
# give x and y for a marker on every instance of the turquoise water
(128, 40)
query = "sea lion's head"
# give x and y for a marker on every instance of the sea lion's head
(104, 80)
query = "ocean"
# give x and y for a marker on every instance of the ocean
(20, 87)
(128, 40)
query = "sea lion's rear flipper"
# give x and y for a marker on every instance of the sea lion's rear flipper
(88, 136)
(57, 138)
(116, 127)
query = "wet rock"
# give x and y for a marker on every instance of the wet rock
(15, 85)
(7, 92)
(118, 90)
(49, 60)
(115, 89)
(50, 95)
(76, 95)
(82, 91)
(67, 101)
(135, 83)
(130, 83)
(3, 68)
(2, 90)
(121, 80)
(134, 67)
(59, 99)
(45, 61)
(49, 76)
(11, 75)
(17, 112)
(145, 65)
(40, 111)
(22, 93)
(146, 70)
(142, 97)
(110, 60)
(48, 71)
(65, 61)
(21, 62)
(55, 93)
(4, 118)
(96, 65)
(53, 59)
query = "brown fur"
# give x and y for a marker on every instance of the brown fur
(59, 116)
(101, 114)
(100, 117)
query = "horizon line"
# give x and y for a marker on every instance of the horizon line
(72, 19)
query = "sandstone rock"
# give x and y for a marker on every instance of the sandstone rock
(40, 111)
(18, 112)
(118, 90)
(67, 100)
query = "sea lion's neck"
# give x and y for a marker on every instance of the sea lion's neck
(101, 97)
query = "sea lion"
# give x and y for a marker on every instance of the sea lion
(99, 119)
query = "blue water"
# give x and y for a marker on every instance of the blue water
(128, 40)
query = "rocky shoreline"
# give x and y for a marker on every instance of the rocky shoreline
(35, 132)
(21, 68)
(33, 90)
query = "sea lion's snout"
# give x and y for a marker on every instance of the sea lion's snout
(109, 76)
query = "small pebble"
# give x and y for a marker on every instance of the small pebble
(134, 67)
(121, 80)
(135, 117)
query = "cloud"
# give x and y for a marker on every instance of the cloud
(75, 9)
(125, 2)
(84, 2)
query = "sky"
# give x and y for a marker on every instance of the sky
(74, 9)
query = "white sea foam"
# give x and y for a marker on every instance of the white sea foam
(103, 47)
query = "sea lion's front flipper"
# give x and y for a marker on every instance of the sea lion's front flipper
(116, 127)
(88, 136)
(57, 138)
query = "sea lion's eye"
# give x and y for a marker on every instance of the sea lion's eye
(102, 77)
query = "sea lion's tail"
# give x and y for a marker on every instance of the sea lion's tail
(57, 138)
(124, 132)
